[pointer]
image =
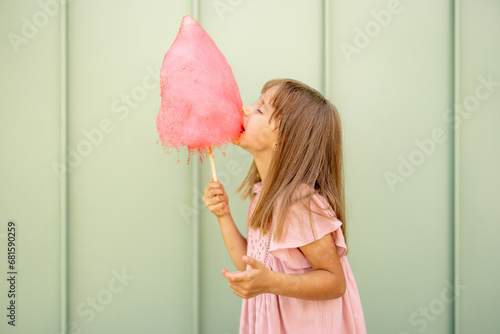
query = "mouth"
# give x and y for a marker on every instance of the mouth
(242, 129)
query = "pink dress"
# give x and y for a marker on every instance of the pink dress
(273, 314)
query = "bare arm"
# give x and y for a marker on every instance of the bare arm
(325, 281)
(217, 202)
(236, 244)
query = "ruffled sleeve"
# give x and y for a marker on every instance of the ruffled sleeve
(300, 231)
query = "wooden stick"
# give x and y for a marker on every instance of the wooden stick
(212, 163)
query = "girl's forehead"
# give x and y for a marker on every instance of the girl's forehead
(266, 103)
(267, 96)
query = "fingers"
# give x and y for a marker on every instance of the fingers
(253, 262)
(234, 283)
(214, 200)
(235, 276)
(211, 191)
(217, 200)
(215, 183)
(239, 282)
(213, 188)
(215, 209)
(237, 293)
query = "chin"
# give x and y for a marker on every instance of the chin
(241, 143)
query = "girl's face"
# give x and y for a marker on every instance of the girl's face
(259, 135)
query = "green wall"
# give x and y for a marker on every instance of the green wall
(112, 235)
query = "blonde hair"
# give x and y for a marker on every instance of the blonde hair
(309, 151)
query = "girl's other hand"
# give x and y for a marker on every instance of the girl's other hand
(249, 283)
(216, 199)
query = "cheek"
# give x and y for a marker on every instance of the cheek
(262, 136)
(254, 126)
(258, 130)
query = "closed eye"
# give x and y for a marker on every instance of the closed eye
(259, 111)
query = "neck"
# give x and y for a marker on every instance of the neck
(263, 161)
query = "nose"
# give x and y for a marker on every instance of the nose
(246, 111)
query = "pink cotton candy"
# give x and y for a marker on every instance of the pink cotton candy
(200, 101)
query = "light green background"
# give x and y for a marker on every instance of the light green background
(127, 206)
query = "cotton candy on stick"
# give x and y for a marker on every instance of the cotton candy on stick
(201, 104)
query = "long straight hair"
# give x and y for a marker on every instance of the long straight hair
(309, 151)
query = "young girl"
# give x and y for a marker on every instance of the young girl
(293, 274)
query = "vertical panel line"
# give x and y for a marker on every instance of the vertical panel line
(64, 158)
(326, 48)
(196, 224)
(456, 165)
